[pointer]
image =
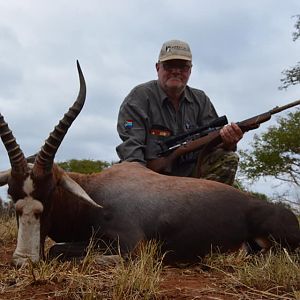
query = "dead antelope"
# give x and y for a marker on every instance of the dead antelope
(129, 203)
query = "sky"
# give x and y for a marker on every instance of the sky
(239, 50)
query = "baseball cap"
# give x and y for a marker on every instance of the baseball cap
(175, 49)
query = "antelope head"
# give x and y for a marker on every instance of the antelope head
(31, 185)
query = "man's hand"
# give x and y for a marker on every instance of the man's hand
(231, 134)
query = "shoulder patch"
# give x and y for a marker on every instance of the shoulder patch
(128, 124)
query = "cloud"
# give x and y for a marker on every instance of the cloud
(239, 50)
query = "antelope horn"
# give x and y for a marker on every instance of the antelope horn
(44, 160)
(15, 154)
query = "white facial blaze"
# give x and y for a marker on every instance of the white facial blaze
(29, 211)
(28, 186)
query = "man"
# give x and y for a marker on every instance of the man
(168, 106)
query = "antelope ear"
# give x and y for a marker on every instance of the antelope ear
(4, 176)
(73, 187)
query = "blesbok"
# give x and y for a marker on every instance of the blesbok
(128, 203)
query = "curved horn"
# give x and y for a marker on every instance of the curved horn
(15, 154)
(44, 160)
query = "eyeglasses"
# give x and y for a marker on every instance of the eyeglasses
(182, 66)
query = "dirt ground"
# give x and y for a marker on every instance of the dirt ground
(191, 282)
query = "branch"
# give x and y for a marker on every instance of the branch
(292, 77)
(296, 34)
(286, 180)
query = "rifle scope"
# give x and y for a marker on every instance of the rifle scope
(218, 122)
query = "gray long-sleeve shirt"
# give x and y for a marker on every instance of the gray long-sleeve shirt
(146, 114)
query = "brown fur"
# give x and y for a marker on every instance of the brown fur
(189, 216)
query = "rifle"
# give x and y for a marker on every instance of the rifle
(176, 141)
(208, 136)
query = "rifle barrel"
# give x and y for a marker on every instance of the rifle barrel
(278, 109)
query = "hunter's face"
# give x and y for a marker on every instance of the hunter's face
(173, 75)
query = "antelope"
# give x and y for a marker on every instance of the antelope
(128, 204)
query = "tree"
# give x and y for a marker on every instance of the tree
(292, 76)
(238, 184)
(85, 166)
(276, 152)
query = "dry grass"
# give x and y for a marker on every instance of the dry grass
(8, 229)
(136, 278)
(275, 275)
(139, 278)
(272, 276)
(280, 269)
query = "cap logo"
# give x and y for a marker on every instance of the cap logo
(175, 49)
(169, 48)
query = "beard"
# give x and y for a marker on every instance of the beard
(174, 86)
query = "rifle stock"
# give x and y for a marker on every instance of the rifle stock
(164, 164)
